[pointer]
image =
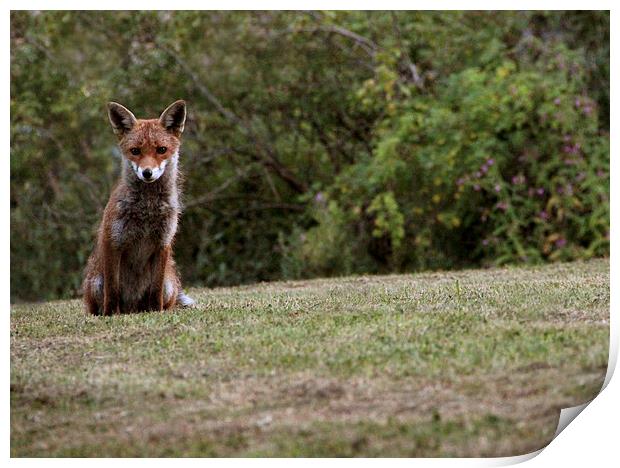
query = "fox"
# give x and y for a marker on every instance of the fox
(131, 268)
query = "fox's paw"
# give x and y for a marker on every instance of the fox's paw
(185, 301)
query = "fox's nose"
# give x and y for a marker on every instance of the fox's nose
(147, 173)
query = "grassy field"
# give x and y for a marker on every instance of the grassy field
(471, 363)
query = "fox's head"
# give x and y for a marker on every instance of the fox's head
(150, 144)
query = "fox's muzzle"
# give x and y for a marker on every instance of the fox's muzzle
(149, 174)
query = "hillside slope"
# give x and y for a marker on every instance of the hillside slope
(470, 363)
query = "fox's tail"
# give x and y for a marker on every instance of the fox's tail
(184, 300)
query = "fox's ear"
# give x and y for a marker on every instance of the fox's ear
(173, 118)
(121, 118)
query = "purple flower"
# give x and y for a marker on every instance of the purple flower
(502, 206)
(600, 173)
(460, 181)
(485, 242)
(484, 169)
(543, 215)
(319, 197)
(587, 110)
(490, 161)
(540, 191)
(518, 179)
(557, 101)
(572, 149)
(561, 242)
(561, 62)
(478, 174)
(497, 188)
(477, 188)
(577, 103)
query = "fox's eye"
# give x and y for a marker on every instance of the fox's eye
(161, 149)
(135, 151)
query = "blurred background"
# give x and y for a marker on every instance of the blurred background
(318, 143)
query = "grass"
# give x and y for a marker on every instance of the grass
(471, 363)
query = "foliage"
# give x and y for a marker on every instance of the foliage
(318, 143)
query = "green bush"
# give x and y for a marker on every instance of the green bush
(502, 161)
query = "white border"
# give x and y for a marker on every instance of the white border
(592, 439)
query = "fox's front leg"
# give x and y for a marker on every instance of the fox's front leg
(111, 280)
(158, 288)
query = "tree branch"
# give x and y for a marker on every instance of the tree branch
(369, 46)
(417, 80)
(267, 155)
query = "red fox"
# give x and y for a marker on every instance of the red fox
(131, 268)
